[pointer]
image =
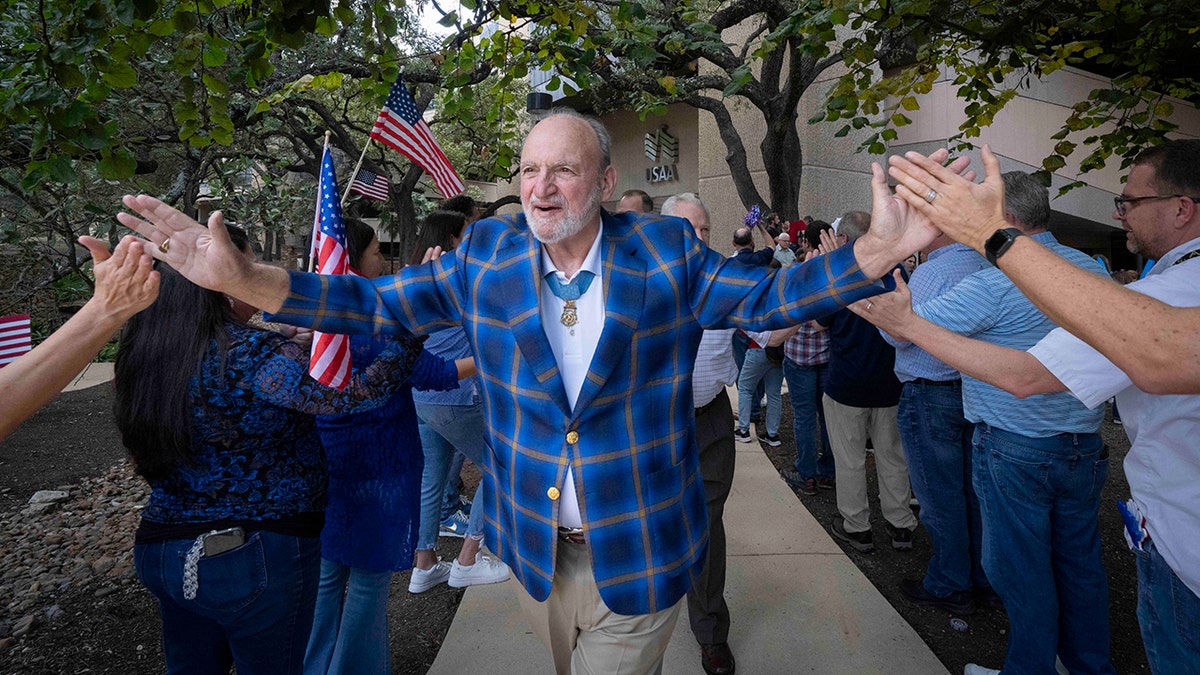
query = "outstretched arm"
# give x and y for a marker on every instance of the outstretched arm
(1151, 341)
(204, 255)
(1012, 370)
(125, 285)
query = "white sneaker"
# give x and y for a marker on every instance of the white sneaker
(973, 669)
(423, 580)
(486, 570)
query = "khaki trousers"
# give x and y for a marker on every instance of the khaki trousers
(848, 430)
(583, 635)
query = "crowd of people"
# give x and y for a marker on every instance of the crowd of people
(599, 417)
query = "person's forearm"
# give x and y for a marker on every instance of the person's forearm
(32, 380)
(466, 367)
(264, 287)
(1153, 343)
(1012, 370)
(874, 257)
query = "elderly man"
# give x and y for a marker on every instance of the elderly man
(715, 370)
(585, 327)
(1160, 212)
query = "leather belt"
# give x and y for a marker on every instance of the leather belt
(572, 535)
(936, 383)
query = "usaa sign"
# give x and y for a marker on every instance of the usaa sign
(663, 148)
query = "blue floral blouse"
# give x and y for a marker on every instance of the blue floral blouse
(255, 450)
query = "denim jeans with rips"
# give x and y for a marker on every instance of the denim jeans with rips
(445, 428)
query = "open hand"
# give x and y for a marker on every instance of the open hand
(892, 312)
(203, 255)
(126, 282)
(968, 212)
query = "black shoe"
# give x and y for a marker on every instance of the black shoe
(958, 602)
(862, 542)
(901, 537)
(771, 440)
(741, 435)
(985, 596)
(717, 659)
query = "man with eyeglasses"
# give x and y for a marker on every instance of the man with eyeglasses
(1162, 218)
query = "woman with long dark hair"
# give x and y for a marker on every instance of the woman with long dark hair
(219, 419)
(375, 465)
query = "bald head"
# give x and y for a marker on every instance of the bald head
(565, 174)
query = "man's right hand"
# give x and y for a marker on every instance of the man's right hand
(204, 255)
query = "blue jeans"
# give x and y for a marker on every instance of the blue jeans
(445, 428)
(1041, 546)
(1169, 614)
(740, 344)
(454, 485)
(758, 369)
(806, 385)
(350, 626)
(937, 447)
(254, 606)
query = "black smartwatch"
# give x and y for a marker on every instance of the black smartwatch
(999, 243)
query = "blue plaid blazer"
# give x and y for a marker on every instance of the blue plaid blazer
(630, 437)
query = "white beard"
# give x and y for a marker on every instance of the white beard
(570, 224)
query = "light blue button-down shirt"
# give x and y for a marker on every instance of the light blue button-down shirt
(944, 268)
(987, 306)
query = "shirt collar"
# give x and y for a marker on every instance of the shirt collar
(948, 248)
(1175, 254)
(591, 263)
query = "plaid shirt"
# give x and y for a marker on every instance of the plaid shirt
(630, 437)
(808, 347)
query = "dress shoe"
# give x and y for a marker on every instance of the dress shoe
(717, 659)
(914, 591)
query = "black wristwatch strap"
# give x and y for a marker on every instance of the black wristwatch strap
(999, 243)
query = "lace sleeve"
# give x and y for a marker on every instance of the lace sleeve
(281, 377)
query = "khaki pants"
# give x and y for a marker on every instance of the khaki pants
(583, 635)
(848, 430)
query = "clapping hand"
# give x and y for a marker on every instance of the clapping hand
(968, 212)
(891, 312)
(204, 255)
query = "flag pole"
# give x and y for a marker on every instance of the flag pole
(354, 173)
(312, 245)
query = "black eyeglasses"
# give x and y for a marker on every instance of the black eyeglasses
(1121, 201)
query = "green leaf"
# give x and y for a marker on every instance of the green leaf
(1053, 163)
(121, 76)
(909, 103)
(117, 165)
(215, 84)
(214, 56)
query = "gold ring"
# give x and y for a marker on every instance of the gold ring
(930, 196)
(165, 246)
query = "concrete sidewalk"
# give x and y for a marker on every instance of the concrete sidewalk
(798, 605)
(92, 375)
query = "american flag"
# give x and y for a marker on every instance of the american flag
(14, 338)
(329, 363)
(401, 127)
(370, 185)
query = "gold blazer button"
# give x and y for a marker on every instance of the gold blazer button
(572, 437)
(552, 493)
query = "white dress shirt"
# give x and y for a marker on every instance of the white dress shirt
(715, 367)
(1163, 464)
(573, 348)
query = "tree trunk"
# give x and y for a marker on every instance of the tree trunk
(783, 159)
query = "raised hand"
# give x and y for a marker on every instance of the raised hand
(204, 255)
(891, 312)
(968, 212)
(126, 282)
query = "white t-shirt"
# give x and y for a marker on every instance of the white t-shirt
(1163, 464)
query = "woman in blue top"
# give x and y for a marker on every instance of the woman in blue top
(375, 467)
(219, 419)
